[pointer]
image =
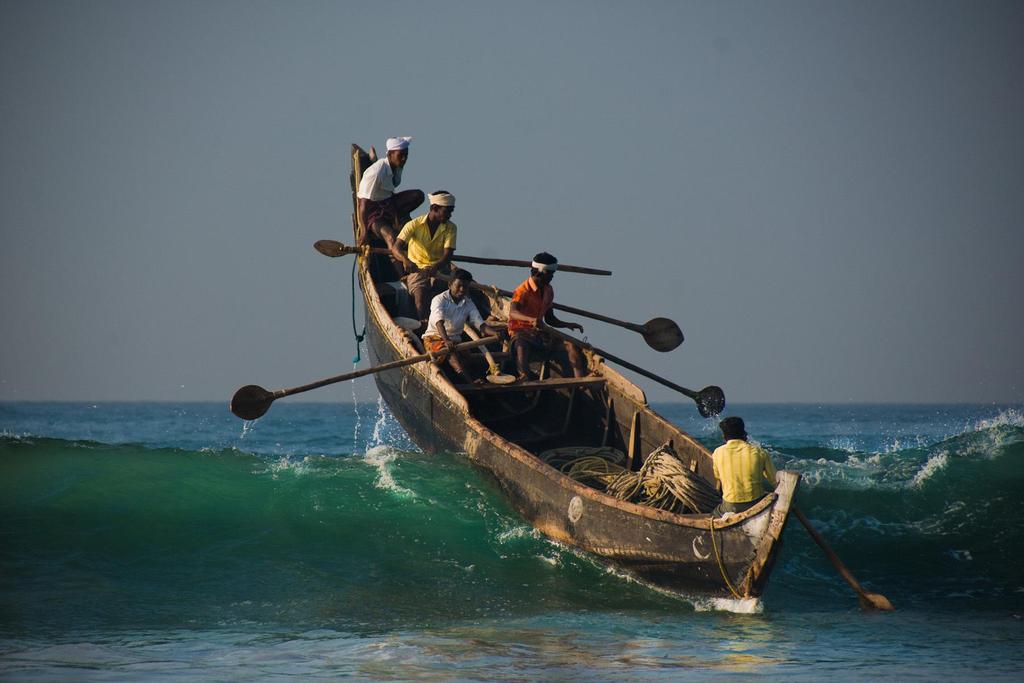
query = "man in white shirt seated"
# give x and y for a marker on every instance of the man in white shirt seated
(449, 313)
(380, 206)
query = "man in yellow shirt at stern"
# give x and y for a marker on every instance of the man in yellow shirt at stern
(740, 468)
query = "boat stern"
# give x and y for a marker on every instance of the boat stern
(771, 539)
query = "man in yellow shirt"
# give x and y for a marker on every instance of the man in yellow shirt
(740, 468)
(425, 247)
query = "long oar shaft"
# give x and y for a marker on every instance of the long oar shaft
(333, 248)
(625, 363)
(526, 264)
(710, 400)
(280, 393)
(867, 600)
(252, 401)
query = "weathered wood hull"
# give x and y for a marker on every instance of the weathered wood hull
(692, 554)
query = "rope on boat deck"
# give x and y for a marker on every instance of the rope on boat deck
(662, 482)
(718, 558)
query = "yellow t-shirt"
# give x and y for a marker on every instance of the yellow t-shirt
(741, 467)
(425, 250)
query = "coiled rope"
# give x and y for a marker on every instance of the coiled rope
(662, 482)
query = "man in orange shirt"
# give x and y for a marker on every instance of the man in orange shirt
(530, 310)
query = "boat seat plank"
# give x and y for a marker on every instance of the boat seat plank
(532, 385)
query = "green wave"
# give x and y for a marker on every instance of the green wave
(108, 534)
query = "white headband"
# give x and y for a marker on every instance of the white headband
(397, 143)
(441, 199)
(548, 267)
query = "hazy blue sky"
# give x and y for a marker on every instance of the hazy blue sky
(827, 196)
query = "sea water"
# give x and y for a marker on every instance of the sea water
(159, 541)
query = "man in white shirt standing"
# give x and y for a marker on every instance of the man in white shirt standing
(381, 208)
(449, 313)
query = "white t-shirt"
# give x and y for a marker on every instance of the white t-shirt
(379, 181)
(455, 315)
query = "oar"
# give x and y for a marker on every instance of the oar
(252, 401)
(494, 373)
(867, 600)
(333, 249)
(661, 334)
(710, 400)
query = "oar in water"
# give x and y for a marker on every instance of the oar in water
(333, 249)
(661, 334)
(867, 600)
(710, 400)
(252, 401)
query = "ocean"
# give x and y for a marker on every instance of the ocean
(165, 541)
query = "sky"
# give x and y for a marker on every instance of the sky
(827, 197)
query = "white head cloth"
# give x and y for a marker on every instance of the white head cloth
(545, 267)
(397, 143)
(441, 199)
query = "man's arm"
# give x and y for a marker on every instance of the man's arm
(439, 327)
(442, 265)
(551, 319)
(400, 250)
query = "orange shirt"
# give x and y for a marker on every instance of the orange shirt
(531, 301)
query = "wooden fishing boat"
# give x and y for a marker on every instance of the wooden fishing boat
(503, 430)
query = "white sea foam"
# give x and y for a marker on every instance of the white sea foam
(553, 561)
(286, 464)
(842, 443)
(517, 532)
(935, 463)
(699, 603)
(26, 437)
(1011, 417)
(734, 605)
(381, 457)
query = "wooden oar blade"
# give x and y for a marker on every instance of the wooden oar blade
(662, 334)
(876, 601)
(251, 401)
(331, 248)
(710, 401)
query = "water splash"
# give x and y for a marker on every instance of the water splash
(1011, 417)
(734, 605)
(381, 457)
(934, 464)
(355, 409)
(377, 438)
